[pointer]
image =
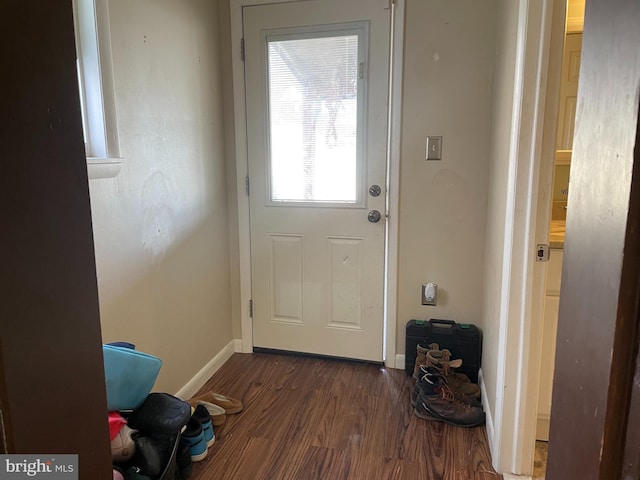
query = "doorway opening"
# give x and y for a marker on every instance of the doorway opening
(558, 207)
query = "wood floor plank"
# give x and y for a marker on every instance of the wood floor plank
(326, 463)
(307, 418)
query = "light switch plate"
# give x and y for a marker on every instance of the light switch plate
(434, 148)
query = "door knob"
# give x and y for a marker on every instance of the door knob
(374, 216)
(374, 190)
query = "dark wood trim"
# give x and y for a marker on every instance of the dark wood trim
(53, 396)
(5, 419)
(597, 336)
(630, 371)
(626, 337)
(631, 458)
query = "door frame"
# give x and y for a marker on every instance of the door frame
(393, 172)
(540, 36)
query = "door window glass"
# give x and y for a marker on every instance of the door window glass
(315, 111)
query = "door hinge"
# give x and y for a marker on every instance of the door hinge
(242, 49)
(251, 308)
(361, 70)
(246, 184)
(542, 253)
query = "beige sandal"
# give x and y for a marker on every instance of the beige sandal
(230, 405)
(216, 412)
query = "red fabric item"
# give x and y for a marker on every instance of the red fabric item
(116, 421)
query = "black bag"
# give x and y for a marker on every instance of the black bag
(133, 473)
(155, 459)
(160, 414)
(151, 456)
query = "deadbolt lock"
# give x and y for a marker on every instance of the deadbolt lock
(375, 190)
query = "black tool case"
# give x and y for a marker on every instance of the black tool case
(463, 340)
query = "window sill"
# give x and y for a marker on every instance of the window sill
(103, 167)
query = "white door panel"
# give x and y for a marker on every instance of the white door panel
(568, 91)
(317, 95)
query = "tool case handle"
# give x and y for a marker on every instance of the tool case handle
(444, 326)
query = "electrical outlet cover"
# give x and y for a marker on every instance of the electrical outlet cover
(429, 294)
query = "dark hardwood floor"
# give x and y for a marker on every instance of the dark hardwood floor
(310, 418)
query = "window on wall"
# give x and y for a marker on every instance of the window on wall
(95, 80)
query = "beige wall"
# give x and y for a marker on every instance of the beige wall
(163, 246)
(161, 235)
(448, 87)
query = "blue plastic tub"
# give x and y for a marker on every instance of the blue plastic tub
(130, 376)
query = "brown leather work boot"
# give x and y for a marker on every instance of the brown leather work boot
(422, 385)
(421, 359)
(433, 399)
(459, 383)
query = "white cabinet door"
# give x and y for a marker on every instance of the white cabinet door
(568, 91)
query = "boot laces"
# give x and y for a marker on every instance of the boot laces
(449, 396)
(445, 368)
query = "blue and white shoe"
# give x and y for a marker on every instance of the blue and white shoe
(202, 415)
(194, 437)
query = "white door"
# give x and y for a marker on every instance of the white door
(568, 91)
(317, 94)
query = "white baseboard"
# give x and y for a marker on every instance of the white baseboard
(487, 411)
(400, 359)
(200, 378)
(511, 476)
(238, 345)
